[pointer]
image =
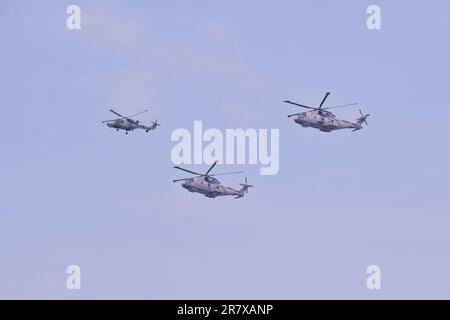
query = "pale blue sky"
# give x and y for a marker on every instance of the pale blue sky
(76, 192)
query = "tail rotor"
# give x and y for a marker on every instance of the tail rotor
(244, 189)
(153, 126)
(363, 118)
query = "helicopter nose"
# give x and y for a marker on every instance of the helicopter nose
(185, 185)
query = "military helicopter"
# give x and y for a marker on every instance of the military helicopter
(322, 119)
(211, 187)
(128, 124)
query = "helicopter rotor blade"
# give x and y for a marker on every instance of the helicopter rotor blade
(223, 174)
(192, 172)
(109, 120)
(246, 186)
(123, 117)
(323, 101)
(127, 117)
(342, 106)
(117, 114)
(209, 170)
(297, 104)
(206, 174)
(293, 115)
(364, 117)
(133, 115)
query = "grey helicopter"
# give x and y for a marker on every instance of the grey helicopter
(211, 187)
(324, 120)
(128, 124)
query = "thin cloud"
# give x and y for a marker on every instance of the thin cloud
(217, 33)
(129, 38)
(126, 90)
(109, 28)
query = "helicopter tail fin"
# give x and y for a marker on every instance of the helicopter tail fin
(362, 119)
(153, 126)
(244, 189)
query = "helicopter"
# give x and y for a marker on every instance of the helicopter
(211, 187)
(324, 120)
(128, 124)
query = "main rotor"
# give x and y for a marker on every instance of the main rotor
(319, 108)
(128, 118)
(205, 175)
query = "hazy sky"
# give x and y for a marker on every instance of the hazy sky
(76, 192)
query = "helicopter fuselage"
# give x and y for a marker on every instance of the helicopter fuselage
(210, 187)
(127, 125)
(324, 121)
